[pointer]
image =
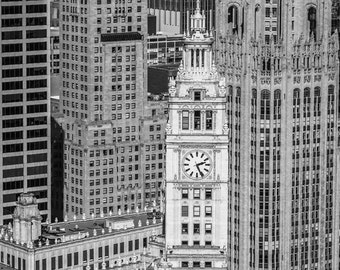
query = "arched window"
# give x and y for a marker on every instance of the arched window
(277, 104)
(306, 93)
(331, 90)
(254, 94)
(317, 91)
(233, 19)
(265, 104)
(277, 94)
(312, 21)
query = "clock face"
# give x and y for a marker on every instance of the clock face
(197, 164)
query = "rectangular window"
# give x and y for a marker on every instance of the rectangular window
(197, 193)
(130, 245)
(185, 211)
(185, 193)
(197, 211)
(75, 258)
(196, 228)
(185, 228)
(53, 265)
(208, 211)
(185, 120)
(197, 120)
(208, 228)
(100, 253)
(69, 259)
(115, 249)
(208, 194)
(208, 121)
(197, 95)
(136, 244)
(60, 262)
(91, 254)
(121, 247)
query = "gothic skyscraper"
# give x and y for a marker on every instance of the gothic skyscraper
(281, 68)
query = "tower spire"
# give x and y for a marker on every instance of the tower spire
(198, 6)
(198, 22)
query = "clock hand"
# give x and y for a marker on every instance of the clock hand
(198, 168)
(201, 163)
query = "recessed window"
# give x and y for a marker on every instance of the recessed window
(185, 193)
(196, 264)
(197, 120)
(208, 211)
(185, 228)
(185, 120)
(208, 121)
(208, 194)
(196, 228)
(197, 193)
(185, 211)
(196, 211)
(197, 95)
(208, 228)
(185, 264)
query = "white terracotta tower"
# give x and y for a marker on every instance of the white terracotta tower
(197, 157)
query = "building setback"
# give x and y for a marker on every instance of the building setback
(25, 90)
(281, 67)
(104, 82)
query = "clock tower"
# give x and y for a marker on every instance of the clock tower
(197, 157)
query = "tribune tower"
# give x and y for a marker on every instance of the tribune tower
(281, 68)
(197, 157)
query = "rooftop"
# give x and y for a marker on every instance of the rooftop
(5, 267)
(87, 227)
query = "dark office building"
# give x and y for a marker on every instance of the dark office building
(24, 95)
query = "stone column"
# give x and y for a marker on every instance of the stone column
(23, 235)
(200, 60)
(195, 60)
(28, 231)
(16, 229)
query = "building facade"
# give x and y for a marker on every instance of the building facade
(173, 17)
(103, 69)
(87, 243)
(163, 49)
(25, 95)
(281, 67)
(197, 158)
(153, 126)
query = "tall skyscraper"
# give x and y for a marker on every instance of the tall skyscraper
(281, 70)
(103, 69)
(24, 88)
(197, 158)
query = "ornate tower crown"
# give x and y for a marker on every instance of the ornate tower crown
(198, 23)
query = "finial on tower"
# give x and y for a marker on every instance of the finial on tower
(198, 6)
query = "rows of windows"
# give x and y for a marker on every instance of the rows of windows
(196, 228)
(196, 119)
(197, 194)
(196, 211)
(74, 259)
